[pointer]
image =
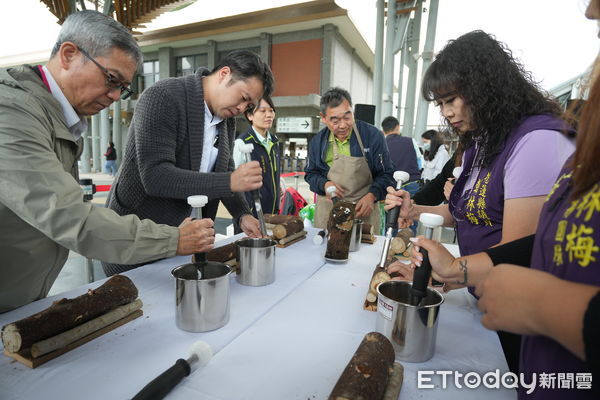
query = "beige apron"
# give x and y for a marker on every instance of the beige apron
(354, 176)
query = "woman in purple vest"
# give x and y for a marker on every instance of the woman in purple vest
(555, 303)
(514, 147)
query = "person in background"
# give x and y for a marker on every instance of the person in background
(42, 118)
(435, 155)
(350, 156)
(489, 100)
(438, 190)
(402, 153)
(111, 159)
(265, 152)
(180, 143)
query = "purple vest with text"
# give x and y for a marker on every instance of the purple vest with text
(479, 211)
(567, 244)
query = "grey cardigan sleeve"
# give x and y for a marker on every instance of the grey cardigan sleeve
(157, 136)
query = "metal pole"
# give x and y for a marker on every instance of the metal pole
(377, 81)
(400, 83)
(423, 106)
(388, 66)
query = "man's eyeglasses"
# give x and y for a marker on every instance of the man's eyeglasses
(112, 82)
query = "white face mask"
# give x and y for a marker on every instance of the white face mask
(426, 146)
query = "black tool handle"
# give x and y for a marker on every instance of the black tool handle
(199, 257)
(165, 382)
(392, 221)
(421, 276)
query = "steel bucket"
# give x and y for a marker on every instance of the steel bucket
(411, 329)
(201, 296)
(256, 261)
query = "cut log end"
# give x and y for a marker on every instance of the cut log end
(11, 338)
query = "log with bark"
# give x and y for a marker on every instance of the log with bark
(66, 314)
(368, 234)
(221, 253)
(401, 241)
(283, 242)
(287, 229)
(367, 374)
(379, 275)
(339, 230)
(276, 219)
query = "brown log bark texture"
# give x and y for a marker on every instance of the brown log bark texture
(287, 228)
(276, 219)
(367, 229)
(366, 375)
(339, 230)
(221, 253)
(65, 314)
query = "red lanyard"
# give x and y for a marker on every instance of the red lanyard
(43, 74)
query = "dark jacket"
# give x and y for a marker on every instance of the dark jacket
(269, 162)
(376, 153)
(432, 193)
(403, 155)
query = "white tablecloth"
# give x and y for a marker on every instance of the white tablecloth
(288, 340)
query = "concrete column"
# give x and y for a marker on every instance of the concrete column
(388, 66)
(412, 48)
(104, 135)
(84, 161)
(211, 56)
(378, 73)
(328, 55)
(400, 84)
(166, 62)
(97, 160)
(266, 41)
(116, 130)
(423, 106)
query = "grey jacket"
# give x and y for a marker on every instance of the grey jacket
(161, 164)
(42, 212)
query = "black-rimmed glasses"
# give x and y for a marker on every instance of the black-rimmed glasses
(112, 82)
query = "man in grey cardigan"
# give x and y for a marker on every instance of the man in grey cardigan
(180, 144)
(42, 117)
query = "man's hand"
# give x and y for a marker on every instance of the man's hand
(251, 226)
(364, 207)
(246, 177)
(339, 192)
(196, 236)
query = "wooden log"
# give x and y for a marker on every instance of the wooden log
(287, 229)
(276, 219)
(65, 314)
(401, 241)
(221, 253)
(293, 237)
(367, 229)
(379, 275)
(366, 375)
(339, 230)
(63, 339)
(392, 391)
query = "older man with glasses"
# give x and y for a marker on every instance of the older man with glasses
(42, 118)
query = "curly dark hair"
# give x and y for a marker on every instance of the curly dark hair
(494, 86)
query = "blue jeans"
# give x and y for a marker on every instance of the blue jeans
(110, 167)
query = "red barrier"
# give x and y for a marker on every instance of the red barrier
(292, 174)
(103, 188)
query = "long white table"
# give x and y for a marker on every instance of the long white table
(288, 340)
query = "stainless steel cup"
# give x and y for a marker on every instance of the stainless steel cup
(356, 236)
(411, 329)
(256, 261)
(201, 296)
